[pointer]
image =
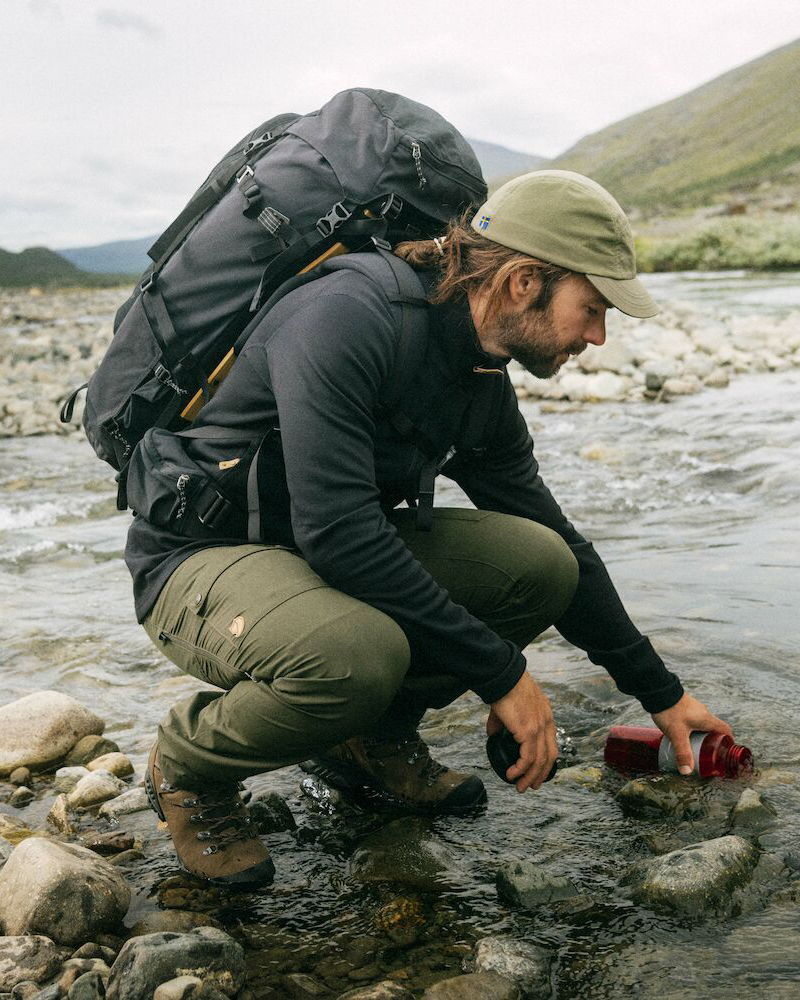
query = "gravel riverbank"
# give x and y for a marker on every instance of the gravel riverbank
(51, 342)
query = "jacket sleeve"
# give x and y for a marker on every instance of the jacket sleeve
(328, 363)
(507, 480)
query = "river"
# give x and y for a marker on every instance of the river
(693, 504)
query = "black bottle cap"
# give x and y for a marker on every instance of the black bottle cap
(503, 751)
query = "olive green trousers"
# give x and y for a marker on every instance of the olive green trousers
(302, 666)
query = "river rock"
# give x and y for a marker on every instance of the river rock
(710, 339)
(66, 778)
(752, 814)
(180, 921)
(661, 794)
(606, 386)
(474, 986)
(681, 386)
(180, 988)
(718, 379)
(613, 356)
(111, 842)
(585, 775)
(271, 814)
(25, 990)
(146, 962)
(21, 796)
(24, 958)
(61, 890)
(94, 950)
(131, 801)
(117, 763)
(40, 728)
(94, 788)
(386, 990)
(6, 847)
(694, 880)
(90, 748)
(527, 885)
(20, 776)
(527, 965)
(405, 852)
(14, 829)
(58, 817)
(89, 986)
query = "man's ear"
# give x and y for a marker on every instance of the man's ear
(523, 285)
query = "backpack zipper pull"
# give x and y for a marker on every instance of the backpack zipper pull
(183, 481)
(416, 152)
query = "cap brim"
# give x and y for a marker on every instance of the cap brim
(628, 295)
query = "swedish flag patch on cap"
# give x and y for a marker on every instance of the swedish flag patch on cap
(484, 221)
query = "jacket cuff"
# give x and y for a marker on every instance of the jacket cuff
(494, 689)
(639, 671)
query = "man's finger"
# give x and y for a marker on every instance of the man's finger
(683, 752)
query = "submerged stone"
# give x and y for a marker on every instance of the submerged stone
(695, 880)
(661, 795)
(528, 885)
(474, 986)
(752, 813)
(405, 852)
(527, 965)
(386, 990)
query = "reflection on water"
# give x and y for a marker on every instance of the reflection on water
(694, 505)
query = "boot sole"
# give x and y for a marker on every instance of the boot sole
(264, 873)
(469, 796)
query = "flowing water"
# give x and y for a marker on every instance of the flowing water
(694, 506)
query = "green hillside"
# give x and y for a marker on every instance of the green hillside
(42, 267)
(727, 137)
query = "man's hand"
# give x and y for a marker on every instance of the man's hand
(678, 722)
(526, 713)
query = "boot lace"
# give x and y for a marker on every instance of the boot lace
(224, 816)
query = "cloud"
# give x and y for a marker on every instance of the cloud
(108, 18)
(45, 7)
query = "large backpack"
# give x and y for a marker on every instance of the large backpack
(369, 168)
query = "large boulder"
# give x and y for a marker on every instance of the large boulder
(695, 880)
(148, 961)
(61, 890)
(27, 959)
(41, 728)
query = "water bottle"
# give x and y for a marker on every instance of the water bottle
(645, 748)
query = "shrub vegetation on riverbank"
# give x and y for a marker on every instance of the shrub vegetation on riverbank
(730, 243)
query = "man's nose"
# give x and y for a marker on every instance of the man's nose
(596, 334)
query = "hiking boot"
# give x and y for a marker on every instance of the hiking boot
(401, 769)
(212, 831)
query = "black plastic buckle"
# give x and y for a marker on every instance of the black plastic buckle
(381, 244)
(218, 508)
(338, 214)
(391, 208)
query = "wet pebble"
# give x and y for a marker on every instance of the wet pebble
(661, 795)
(271, 814)
(131, 801)
(108, 843)
(21, 797)
(58, 817)
(66, 778)
(386, 990)
(25, 958)
(474, 986)
(405, 852)
(172, 921)
(299, 986)
(94, 788)
(752, 814)
(20, 776)
(180, 988)
(117, 763)
(89, 986)
(88, 749)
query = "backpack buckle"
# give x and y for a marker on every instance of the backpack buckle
(272, 220)
(262, 140)
(217, 509)
(391, 208)
(244, 173)
(333, 218)
(147, 283)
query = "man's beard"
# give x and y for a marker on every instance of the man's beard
(530, 339)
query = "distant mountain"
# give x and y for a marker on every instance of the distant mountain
(130, 256)
(40, 266)
(119, 257)
(497, 162)
(730, 135)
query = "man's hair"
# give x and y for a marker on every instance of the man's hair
(468, 261)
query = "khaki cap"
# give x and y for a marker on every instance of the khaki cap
(569, 220)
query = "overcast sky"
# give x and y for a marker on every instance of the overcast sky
(113, 111)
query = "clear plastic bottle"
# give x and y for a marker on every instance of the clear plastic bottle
(645, 748)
